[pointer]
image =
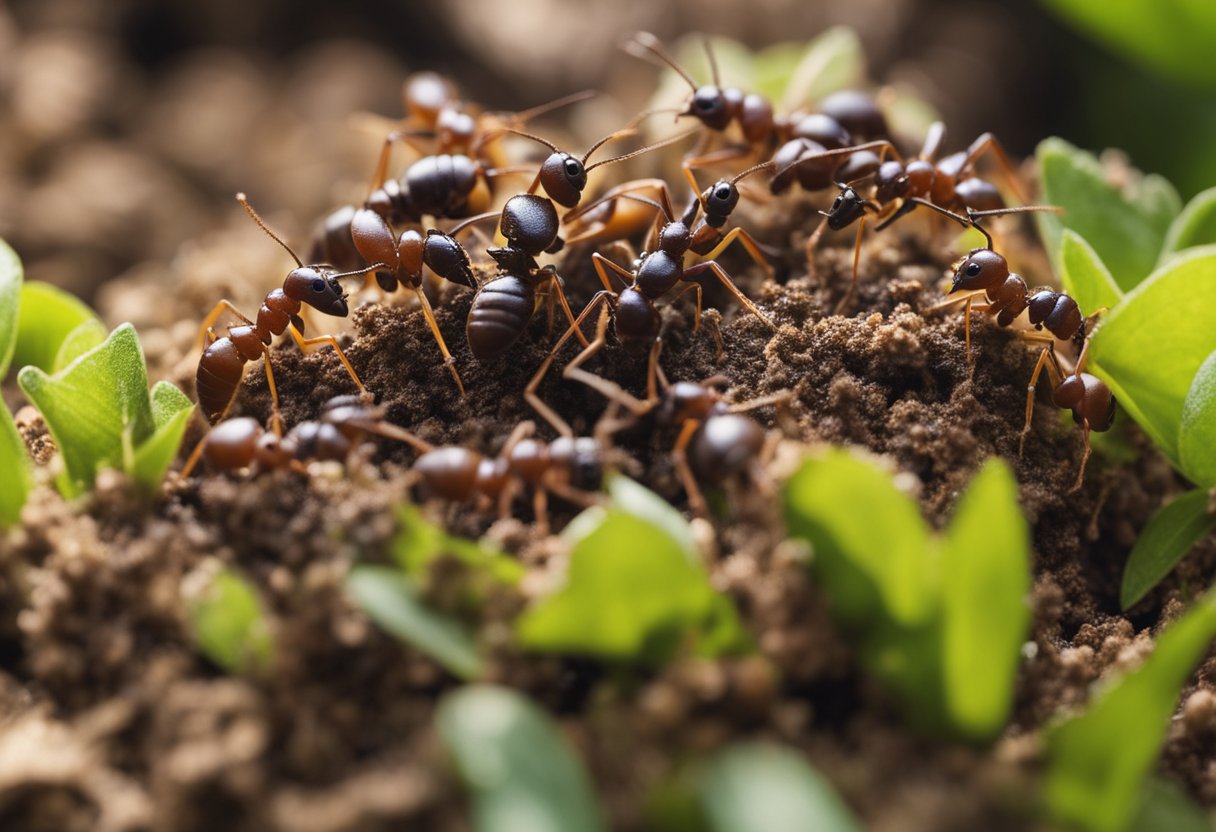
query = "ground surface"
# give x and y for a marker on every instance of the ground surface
(111, 719)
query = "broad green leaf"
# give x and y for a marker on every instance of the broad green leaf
(15, 463)
(1166, 539)
(1195, 226)
(171, 411)
(631, 593)
(752, 787)
(1097, 763)
(229, 624)
(986, 582)
(871, 545)
(1197, 433)
(1164, 807)
(47, 315)
(389, 599)
(1150, 346)
(833, 61)
(519, 770)
(89, 334)
(1085, 276)
(635, 499)
(418, 542)
(97, 409)
(11, 275)
(1126, 231)
(1173, 38)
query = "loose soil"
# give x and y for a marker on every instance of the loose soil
(112, 720)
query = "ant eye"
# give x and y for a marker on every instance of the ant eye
(836, 202)
(973, 269)
(722, 193)
(318, 285)
(573, 167)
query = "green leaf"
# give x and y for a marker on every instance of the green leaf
(834, 60)
(389, 599)
(521, 773)
(986, 581)
(1150, 346)
(171, 411)
(1164, 807)
(631, 593)
(1195, 226)
(1085, 276)
(17, 480)
(97, 409)
(1127, 231)
(48, 315)
(419, 542)
(635, 499)
(80, 340)
(229, 624)
(1097, 762)
(754, 786)
(1166, 539)
(1197, 433)
(11, 275)
(1173, 38)
(872, 561)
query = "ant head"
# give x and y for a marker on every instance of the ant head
(318, 289)
(674, 238)
(719, 200)
(426, 94)
(709, 105)
(983, 268)
(530, 222)
(563, 176)
(848, 207)
(455, 127)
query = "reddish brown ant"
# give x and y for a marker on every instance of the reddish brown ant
(984, 271)
(223, 361)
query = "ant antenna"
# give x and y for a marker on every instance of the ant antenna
(713, 62)
(463, 224)
(557, 103)
(753, 169)
(651, 44)
(241, 199)
(645, 200)
(490, 135)
(664, 143)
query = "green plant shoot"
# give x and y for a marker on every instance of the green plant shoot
(14, 485)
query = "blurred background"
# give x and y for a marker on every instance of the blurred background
(127, 125)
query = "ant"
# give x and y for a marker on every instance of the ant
(984, 271)
(899, 187)
(223, 361)
(241, 443)
(568, 467)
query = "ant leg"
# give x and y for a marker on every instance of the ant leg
(540, 508)
(712, 266)
(812, 242)
(696, 287)
(955, 301)
(989, 142)
(652, 371)
(429, 314)
(1030, 393)
(696, 501)
(608, 389)
(702, 160)
(848, 296)
(224, 305)
(549, 414)
(276, 421)
(1084, 457)
(934, 136)
(749, 244)
(763, 401)
(556, 283)
(304, 343)
(600, 262)
(572, 495)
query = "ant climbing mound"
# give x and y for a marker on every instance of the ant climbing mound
(222, 363)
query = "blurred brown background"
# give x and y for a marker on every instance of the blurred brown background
(127, 125)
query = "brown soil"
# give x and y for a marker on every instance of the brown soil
(111, 719)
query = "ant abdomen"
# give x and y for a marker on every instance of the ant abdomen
(331, 242)
(636, 317)
(979, 194)
(500, 312)
(450, 472)
(856, 112)
(1056, 311)
(441, 185)
(1089, 399)
(724, 446)
(219, 372)
(577, 461)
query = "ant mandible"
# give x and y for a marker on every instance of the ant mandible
(223, 361)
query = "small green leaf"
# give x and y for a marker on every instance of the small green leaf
(873, 561)
(834, 60)
(1150, 346)
(228, 622)
(631, 594)
(635, 499)
(1195, 226)
(1197, 433)
(17, 479)
(11, 275)
(1164, 807)
(171, 411)
(1166, 539)
(1097, 763)
(48, 315)
(521, 773)
(80, 340)
(1126, 230)
(419, 542)
(97, 409)
(986, 581)
(389, 599)
(751, 787)
(1085, 276)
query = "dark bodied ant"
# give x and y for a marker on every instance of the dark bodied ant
(345, 421)
(985, 272)
(899, 186)
(223, 361)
